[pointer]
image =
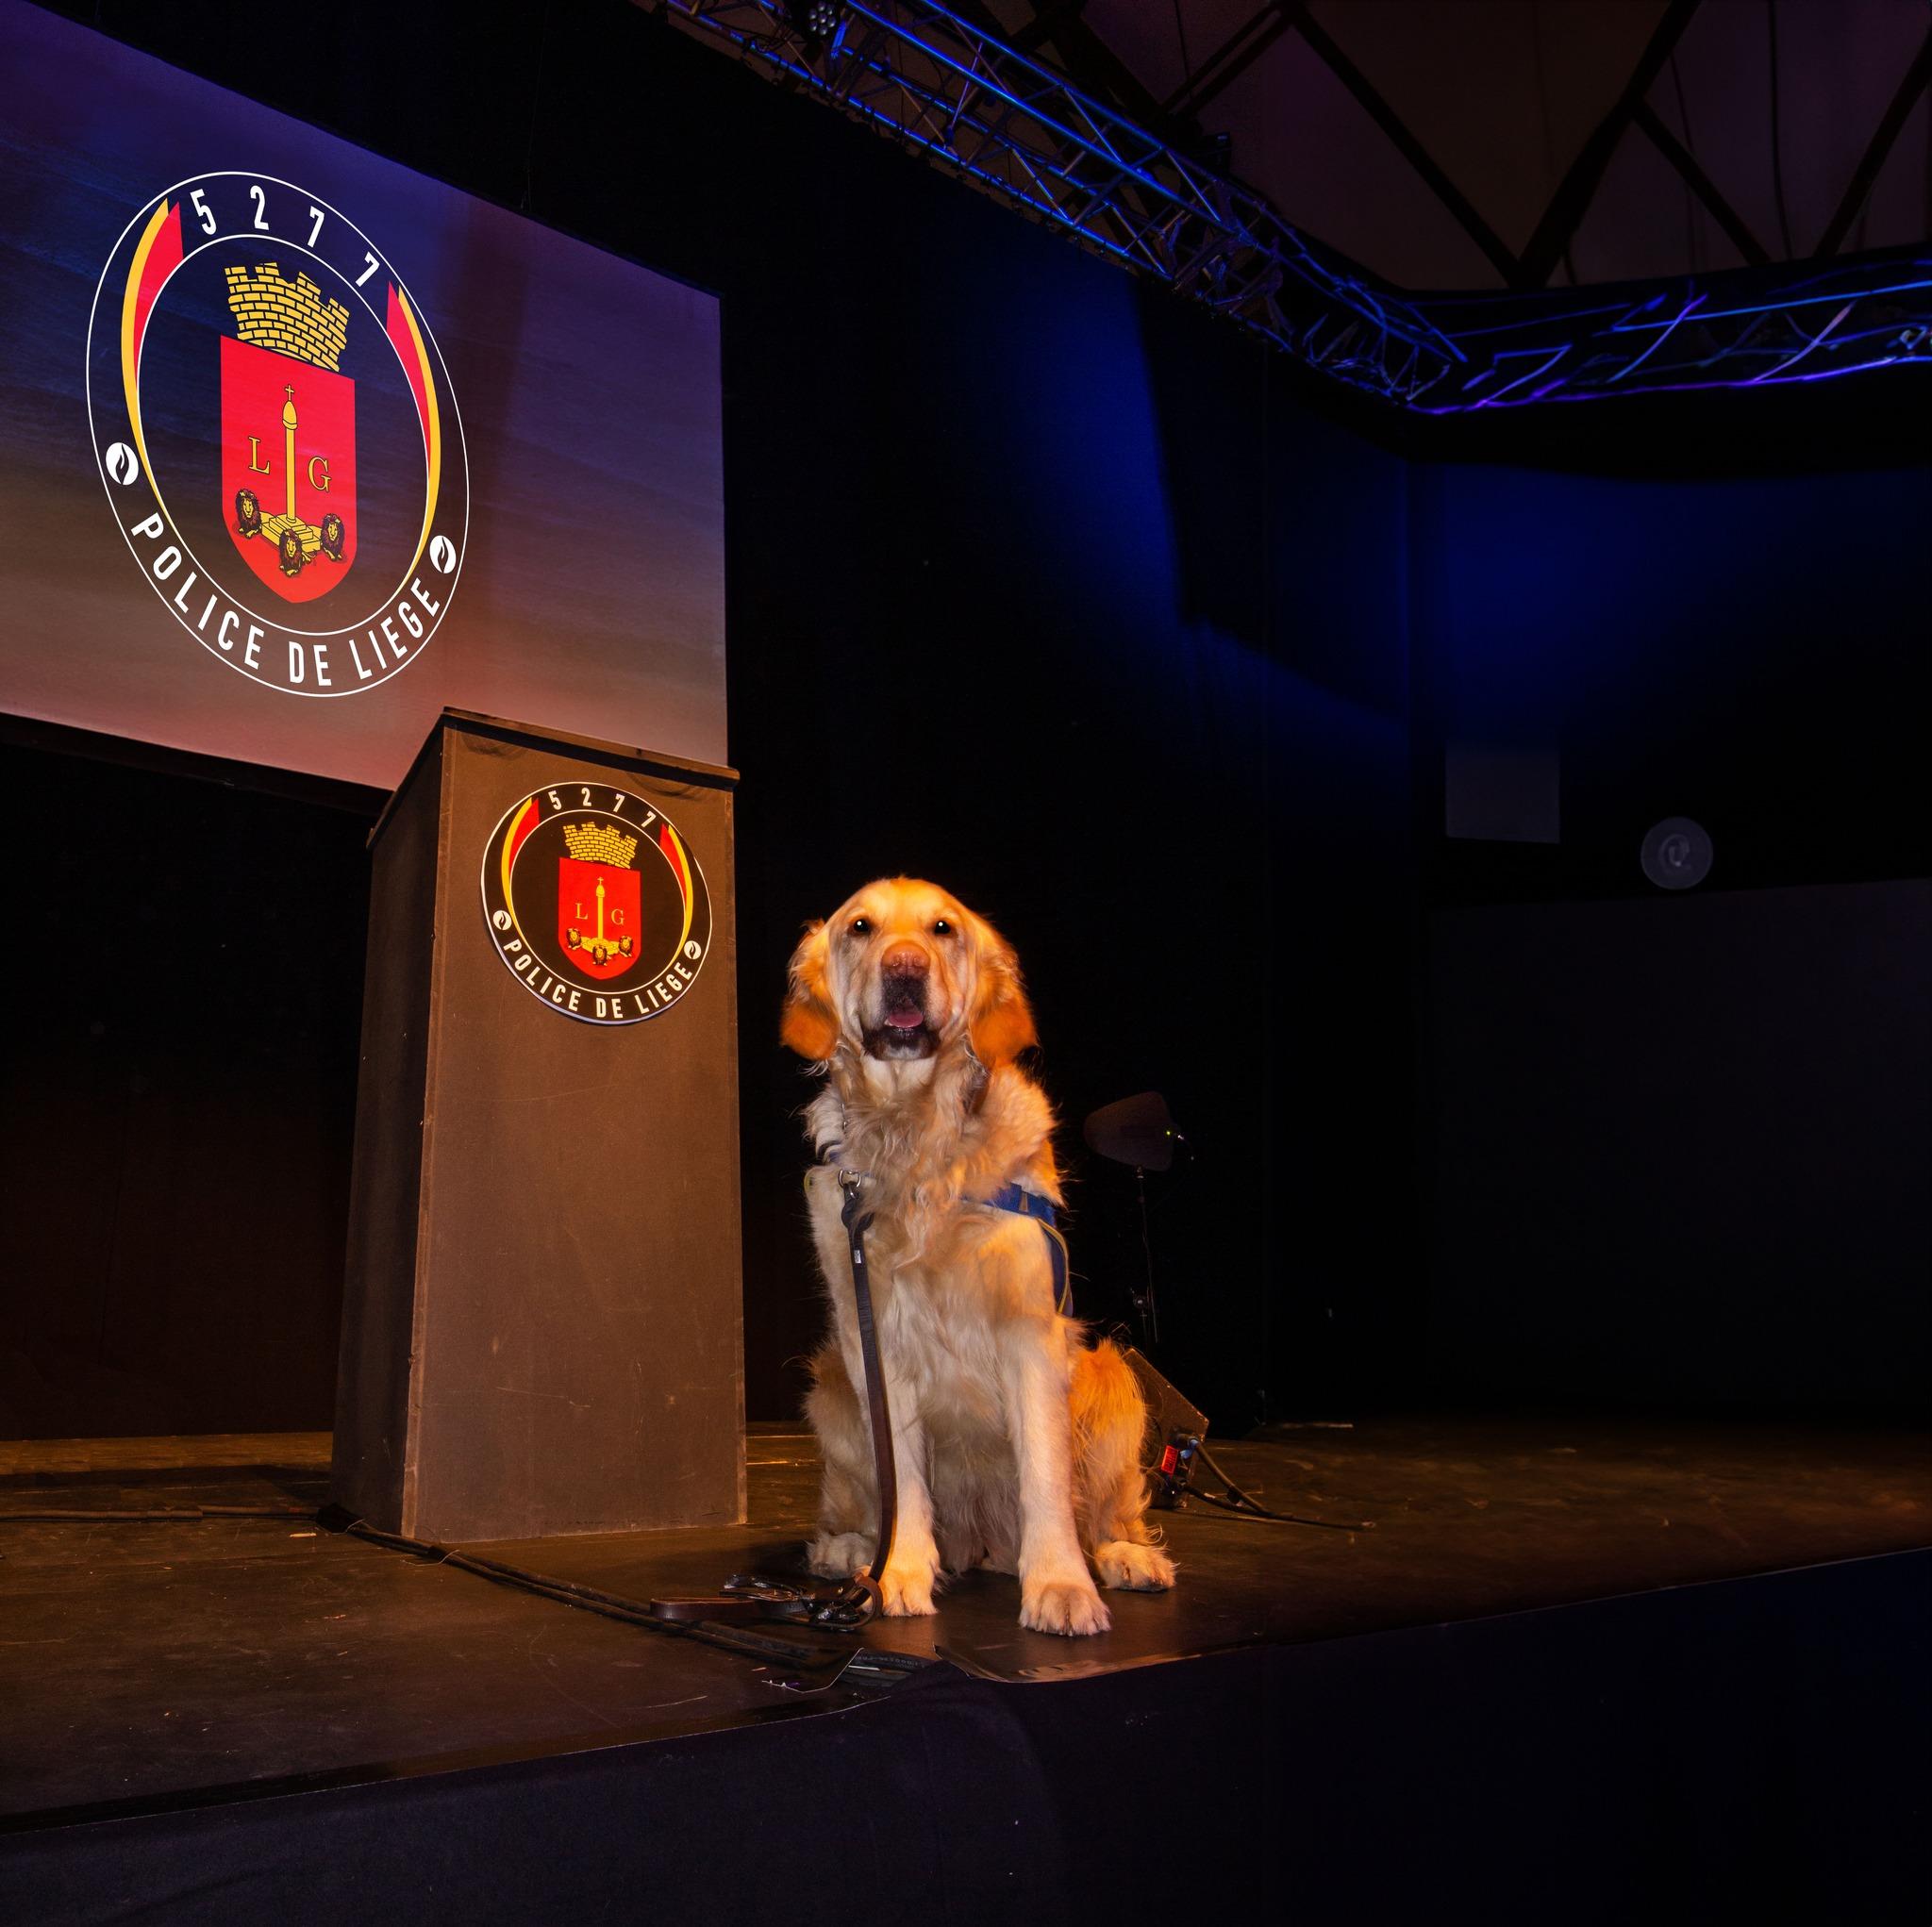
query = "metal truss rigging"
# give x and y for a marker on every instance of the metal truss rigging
(1807, 321)
(980, 107)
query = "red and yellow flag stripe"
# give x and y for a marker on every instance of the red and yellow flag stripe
(157, 254)
(680, 868)
(512, 844)
(406, 336)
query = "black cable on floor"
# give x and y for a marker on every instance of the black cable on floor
(1261, 1516)
(865, 1662)
(1243, 1505)
(611, 1605)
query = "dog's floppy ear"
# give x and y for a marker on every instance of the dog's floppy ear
(810, 1024)
(1001, 1025)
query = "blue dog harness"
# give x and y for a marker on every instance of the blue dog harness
(1023, 1204)
(1031, 1204)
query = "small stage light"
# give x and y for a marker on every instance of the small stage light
(815, 22)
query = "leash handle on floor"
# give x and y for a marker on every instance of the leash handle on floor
(859, 1600)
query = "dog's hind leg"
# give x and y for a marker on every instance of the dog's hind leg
(1110, 1420)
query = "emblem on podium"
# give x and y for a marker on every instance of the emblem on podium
(595, 903)
(598, 871)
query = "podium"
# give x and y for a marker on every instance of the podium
(543, 1312)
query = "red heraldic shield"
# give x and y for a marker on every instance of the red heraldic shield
(599, 916)
(287, 468)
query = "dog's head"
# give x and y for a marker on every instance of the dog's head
(902, 971)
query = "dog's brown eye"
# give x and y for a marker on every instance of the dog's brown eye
(941, 929)
(861, 926)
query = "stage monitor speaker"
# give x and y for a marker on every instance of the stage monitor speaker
(1137, 1131)
(542, 1323)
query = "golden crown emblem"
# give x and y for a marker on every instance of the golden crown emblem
(290, 317)
(590, 844)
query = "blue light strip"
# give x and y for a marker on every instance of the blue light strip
(1020, 131)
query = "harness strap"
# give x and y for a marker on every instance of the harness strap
(1008, 1198)
(1031, 1204)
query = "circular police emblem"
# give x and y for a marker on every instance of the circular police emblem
(277, 435)
(596, 903)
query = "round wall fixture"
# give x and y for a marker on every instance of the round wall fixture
(1677, 854)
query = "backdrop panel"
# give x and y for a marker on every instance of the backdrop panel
(300, 447)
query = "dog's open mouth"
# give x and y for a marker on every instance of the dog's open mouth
(902, 1030)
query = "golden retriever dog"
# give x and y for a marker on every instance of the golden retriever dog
(1014, 1447)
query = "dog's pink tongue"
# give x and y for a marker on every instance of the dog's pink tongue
(905, 1018)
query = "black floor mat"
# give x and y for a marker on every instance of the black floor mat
(1465, 1518)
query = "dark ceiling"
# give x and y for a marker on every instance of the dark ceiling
(1437, 142)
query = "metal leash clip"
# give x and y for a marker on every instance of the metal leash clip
(852, 1183)
(775, 1599)
(855, 1605)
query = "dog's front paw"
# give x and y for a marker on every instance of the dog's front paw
(906, 1589)
(1063, 1605)
(839, 1554)
(1128, 1568)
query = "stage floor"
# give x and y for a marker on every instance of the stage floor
(150, 1662)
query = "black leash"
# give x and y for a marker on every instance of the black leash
(866, 1583)
(726, 1620)
(751, 1594)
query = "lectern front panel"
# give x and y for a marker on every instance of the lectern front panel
(572, 1299)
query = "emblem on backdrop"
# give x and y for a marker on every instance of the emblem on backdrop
(301, 459)
(277, 435)
(595, 903)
